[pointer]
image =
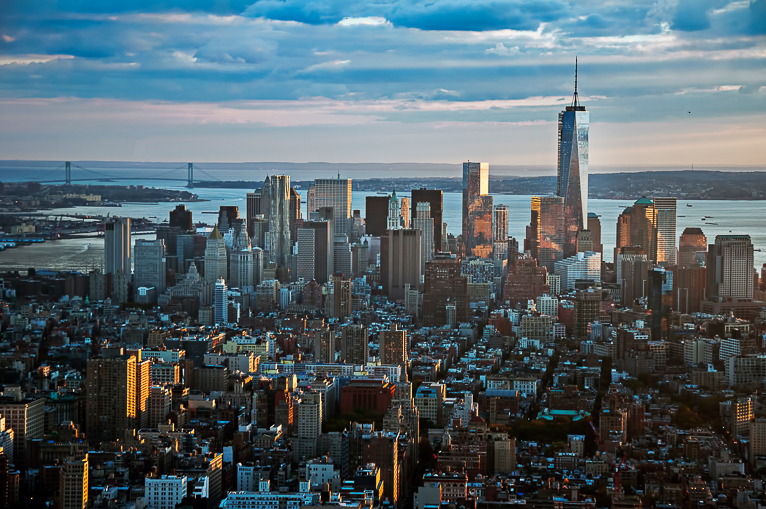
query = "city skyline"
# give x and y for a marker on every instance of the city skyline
(673, 83)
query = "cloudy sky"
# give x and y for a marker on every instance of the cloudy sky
(667, 82)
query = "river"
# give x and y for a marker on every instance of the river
(736, 217)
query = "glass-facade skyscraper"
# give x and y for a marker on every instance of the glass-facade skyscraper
(573, 169)
(477, 210)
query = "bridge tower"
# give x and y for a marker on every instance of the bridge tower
(190, 176)
(68, 172)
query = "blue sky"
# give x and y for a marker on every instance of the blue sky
(393, 80)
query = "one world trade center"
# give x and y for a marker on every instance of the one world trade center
(573, 169)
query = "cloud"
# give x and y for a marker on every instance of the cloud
(367, 21)
(434, 15)
(501, 50)
(30, 59)
(8, 38)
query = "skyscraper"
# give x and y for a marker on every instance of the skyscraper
(354, 344)
(110, 396)
(594, 226)
(425, 223)
(393, 219)
(573, 168)
(665, 231)
(500, 223)
(341, 296)
(117, 245)
(73, 483)
(659, 300)
(393, 345)
(221, 304)
(150, 266)
(181, 218)
(730, 267)
(216, 258)
(444, 285)
(400, 264)
(276, 192)
(545, 233)
(375, 215)
(227, 216)
(477, 210)
(241, 261)
(295, 213)
(692, 247)
(642, 226)
(435, 197)
(335, 193)
(404, 214)
(315, 251)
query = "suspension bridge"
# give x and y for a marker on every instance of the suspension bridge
(76, 173)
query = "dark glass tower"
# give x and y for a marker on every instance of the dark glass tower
(573, 169)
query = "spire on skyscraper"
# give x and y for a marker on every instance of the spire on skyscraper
(575, 98)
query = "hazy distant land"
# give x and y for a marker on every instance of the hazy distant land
(712, 183)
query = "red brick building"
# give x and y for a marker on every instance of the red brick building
(368, 394)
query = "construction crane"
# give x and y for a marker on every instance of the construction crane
(615, 468)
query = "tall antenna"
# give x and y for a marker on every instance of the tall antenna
(574, 99)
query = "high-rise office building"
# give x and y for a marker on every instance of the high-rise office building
(216, 257)
(393, 345)
(324, 345)
(241, 261)
(253, 209)
(73, 483)
(583, 266)
(545, 233)
(227, 217)
(309, 423)
(181, 218)
(477, 210)
(659, 300)
(117, 245)
(444, 285)
(359, 260)
(26, 417)
(692, 248)
(111, 396)
(500, 223)
(295, 213)
(335, 193)
(587, 305)
(642, 226)
(400, 262)
(622, 237)
(573, 168)
(221, 303)
(393, 219)
(404, 213)
(276, 192)
(355, 340)
(341, 296)
(688, 287)
(594, 226)
(632, 267)
(730, 267)
(341, 254)
(435, 198)
(525, 281)
(149, 259)
(425, 223)
(665, 231)
(315, 251)
(376, 215)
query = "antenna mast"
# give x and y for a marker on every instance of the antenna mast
(575, 98)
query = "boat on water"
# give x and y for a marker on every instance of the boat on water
(688, 204)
